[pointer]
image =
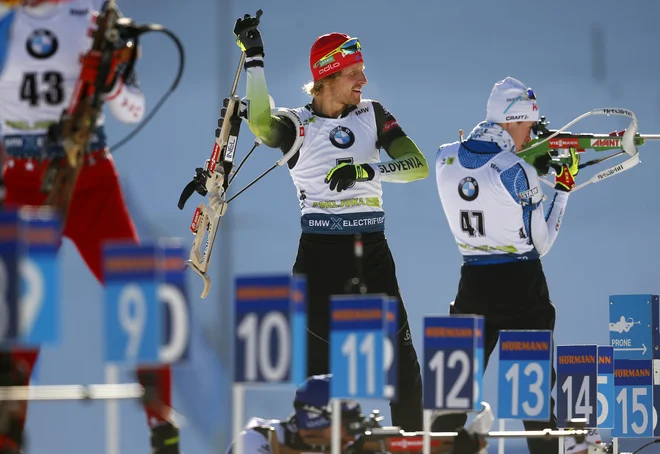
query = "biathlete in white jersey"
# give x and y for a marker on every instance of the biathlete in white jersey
(493, 202)
(338, 175)
(44, 51)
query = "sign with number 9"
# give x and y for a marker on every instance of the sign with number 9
(132, 310)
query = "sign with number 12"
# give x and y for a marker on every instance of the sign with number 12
(453, 362)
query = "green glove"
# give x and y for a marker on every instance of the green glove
(248, 36)
(565, 178)
(345, 175)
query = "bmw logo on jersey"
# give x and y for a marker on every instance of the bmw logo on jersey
(41, 44)
(468, 189)
(342, 137)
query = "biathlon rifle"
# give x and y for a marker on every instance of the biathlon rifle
(214, 177)
(78, 121)
(114, 42)
(551, 148)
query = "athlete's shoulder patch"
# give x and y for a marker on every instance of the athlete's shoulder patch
(304, 114)
(446, 151)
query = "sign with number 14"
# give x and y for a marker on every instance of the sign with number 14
(577, 372)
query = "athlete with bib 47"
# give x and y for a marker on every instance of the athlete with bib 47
(493, 203)
(338, 175)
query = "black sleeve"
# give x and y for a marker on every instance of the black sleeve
(287, 133)
(387, 127)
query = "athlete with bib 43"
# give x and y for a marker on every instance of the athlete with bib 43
(44, 52)
(493, 203)
(338, 175)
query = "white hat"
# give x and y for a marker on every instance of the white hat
(510, 101)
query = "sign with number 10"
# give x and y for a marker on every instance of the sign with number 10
(271, 336)
(175, 305)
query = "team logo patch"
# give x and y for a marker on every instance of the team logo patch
(529, 193)
(342, 137)
(41, 44)
(468, 189)
(336, 223)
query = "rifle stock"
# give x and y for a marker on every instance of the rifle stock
(78, 121)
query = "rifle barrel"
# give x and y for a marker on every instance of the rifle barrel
(546, 433)
(238, 74)
(607, 136)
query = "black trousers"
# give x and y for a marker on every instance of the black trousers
(509, 296)
(328, 263)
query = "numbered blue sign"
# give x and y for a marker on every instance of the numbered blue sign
(133, 327)
(10, 251)
(656, 406)
(29, 276)
(40, 232)
(358, 329)
(392, 348)
(524, 374)
(633, 390)
(605, 387)
(270, 334)
(633, 320)
(577, 378)
(479, 363)
(298, 317)
(174, 302)
(451, 374)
